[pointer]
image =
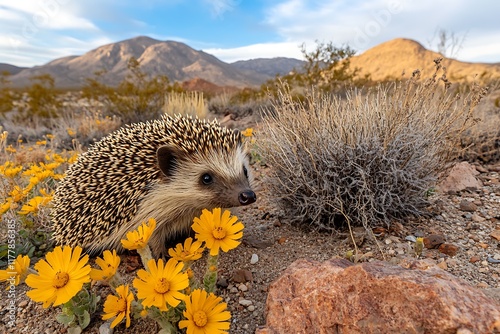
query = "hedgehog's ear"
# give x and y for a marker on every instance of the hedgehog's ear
(168, 157)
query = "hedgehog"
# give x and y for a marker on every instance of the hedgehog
(169, 169)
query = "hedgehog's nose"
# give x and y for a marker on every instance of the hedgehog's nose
(247, 197)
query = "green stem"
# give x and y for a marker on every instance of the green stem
(210, 278)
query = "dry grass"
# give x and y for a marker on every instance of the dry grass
(192, 104)
(368, 158)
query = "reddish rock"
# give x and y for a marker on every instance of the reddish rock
(474, 259)
(338, 297)
(460, 177)
(448, 249)
(433, 241)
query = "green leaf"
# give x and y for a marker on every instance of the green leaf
(65, 319)
(86, 320)
(74, 330)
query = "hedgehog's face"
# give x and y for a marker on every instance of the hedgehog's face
(209, 179)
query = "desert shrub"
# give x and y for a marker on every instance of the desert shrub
(42, 99)
(482, 142)
(186, 103)
(6, 96)
(137, 98)
(365, 159)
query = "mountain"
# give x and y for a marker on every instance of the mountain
(269, 66)
(390, 59)
(176, 60)
(10, 68)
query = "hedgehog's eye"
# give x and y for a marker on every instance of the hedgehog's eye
(207, 179)
(245, 172)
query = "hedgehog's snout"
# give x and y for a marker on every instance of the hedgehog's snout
(247, 197)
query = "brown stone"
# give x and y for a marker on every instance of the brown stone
(433, 241)
(242, 276)
(467, 206)
(495, 234)
(448, 249)
(460, 177)
(474, 259)
(375, 297)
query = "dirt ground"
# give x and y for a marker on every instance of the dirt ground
(274, 245)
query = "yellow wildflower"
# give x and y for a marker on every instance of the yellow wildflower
(218, 231)
(60, 276)
(17, 270)
(119, 306)
(205, 314)
(139, 238)
(161, 285)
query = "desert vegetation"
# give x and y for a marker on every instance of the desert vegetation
(342, 150)
(369, 158)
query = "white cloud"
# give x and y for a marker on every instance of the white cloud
(364, 24)
(219, 7)
(263, 50)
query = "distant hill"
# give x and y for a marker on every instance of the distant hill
(181, 63)
(390, 59)
(270, 66)
(10, 68)
(176, 60)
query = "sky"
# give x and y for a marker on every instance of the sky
(35, 32)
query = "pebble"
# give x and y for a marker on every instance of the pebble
(433, 241)
(254, 259)
(467, 206)
(233, 290)
(242, 287)
(495, 234)
(474, 259)
(411, 238)
(492, 260)
(23, 303)
(251, 308)
(242, 276)
(245, 302)
(448, 249)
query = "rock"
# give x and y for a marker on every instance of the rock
(433, 241)
(495, 234)
(474, 259)
(245, 302)
(448, 249)
(242, 287)
(222, 282)
(460, 177)
(242, 276)
(105, 328)
(375, 297)
(467, 206)
(254, 259)
(257, 243)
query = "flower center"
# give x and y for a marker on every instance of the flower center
(162, 286)
(121, 305)
(60, 280)
(219, 233)
(200, 318)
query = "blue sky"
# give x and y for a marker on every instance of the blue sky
(35, 32)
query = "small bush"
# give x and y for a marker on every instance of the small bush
(369, 158)
(189, 103)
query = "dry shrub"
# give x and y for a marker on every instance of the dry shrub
(368, 158)
(190, 103)
(482, 141)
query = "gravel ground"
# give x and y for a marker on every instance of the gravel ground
(274, 245)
